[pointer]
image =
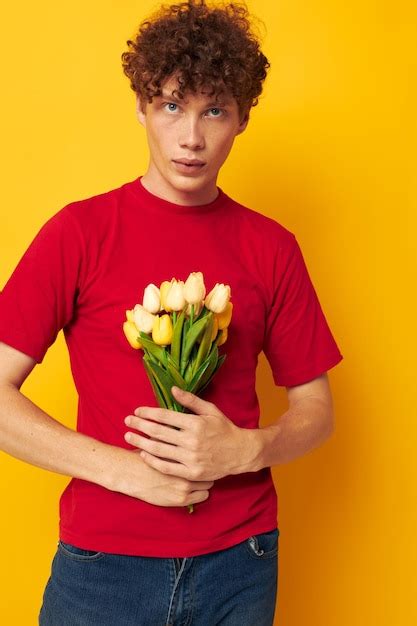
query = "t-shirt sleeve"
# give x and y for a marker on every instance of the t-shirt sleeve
(298, 342)
(39, 298)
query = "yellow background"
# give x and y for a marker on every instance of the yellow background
(330, 152)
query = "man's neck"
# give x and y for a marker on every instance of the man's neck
(159, 186)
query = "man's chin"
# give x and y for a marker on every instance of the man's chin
(184, 182)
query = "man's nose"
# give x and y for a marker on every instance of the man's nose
(192, 135)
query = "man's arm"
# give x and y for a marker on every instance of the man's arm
(306, 424)
(30, 434)
(208, 445)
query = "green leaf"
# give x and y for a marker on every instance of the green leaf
(220, 361)
(176, 376)
(149, 356)
(196, 378)
(205, 343)
(159, 395)
(204, 311)
(164, 381)
(192, 335)
(176, 339)
(188, 374)
(207, 374)
(170, 360)
(183, 340)
(157, 351)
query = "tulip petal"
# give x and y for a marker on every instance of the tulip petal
(131, 334)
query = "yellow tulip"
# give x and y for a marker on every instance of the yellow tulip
(163, 292)
(225, 316)
(162, 330)
(215, 328)
(223, 337)
(132, 335)
(129, 315)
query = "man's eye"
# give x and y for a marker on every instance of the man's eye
(170, 104)
(219, 111)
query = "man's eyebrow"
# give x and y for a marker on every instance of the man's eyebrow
(221, 102)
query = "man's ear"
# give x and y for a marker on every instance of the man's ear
(243, 123)
(139, 113)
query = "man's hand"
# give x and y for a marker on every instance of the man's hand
(206, 446)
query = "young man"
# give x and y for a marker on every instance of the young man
(129, 552)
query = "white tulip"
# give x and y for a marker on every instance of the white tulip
(151, 298)
(194, 289)
(143, 319)
(175, 299)
(218, 298)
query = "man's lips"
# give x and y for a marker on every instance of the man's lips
(189, 162)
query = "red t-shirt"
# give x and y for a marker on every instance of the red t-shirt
(89, 263)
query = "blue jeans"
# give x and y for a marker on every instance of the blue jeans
(232, 587)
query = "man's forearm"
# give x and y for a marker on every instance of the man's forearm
(303, 427)
(30, 434)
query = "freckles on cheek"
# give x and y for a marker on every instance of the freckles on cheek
(223, 152)
(162, 138)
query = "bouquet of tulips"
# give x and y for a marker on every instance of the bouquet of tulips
(180, 328)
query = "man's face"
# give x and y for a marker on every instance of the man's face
(195, 128)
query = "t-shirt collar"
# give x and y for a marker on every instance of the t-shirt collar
(155, 202)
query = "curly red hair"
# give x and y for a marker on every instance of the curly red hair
(203, 46)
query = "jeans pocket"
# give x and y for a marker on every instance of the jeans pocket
(78, 554)
(263, 545)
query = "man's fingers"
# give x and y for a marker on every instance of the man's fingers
(155, 429)
(193, 402)
(164, 416)
(156, 447)
(203, 484)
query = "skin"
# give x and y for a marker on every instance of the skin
(208, 445)
(193, 128)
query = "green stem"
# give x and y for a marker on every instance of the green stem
(190, 506)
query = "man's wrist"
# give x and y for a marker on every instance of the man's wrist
(107, 467)
(250, 450)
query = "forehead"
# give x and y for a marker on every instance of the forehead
(171, 85)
